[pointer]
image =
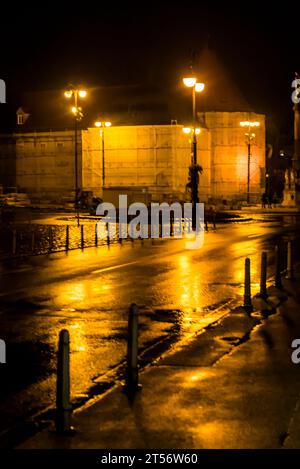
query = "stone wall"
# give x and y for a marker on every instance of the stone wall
(7, 161)
(229, 155)
(45, 164)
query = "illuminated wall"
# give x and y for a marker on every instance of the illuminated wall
(229, 154)
(45, 164)
(153, 158)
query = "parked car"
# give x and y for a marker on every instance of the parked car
(15, 199)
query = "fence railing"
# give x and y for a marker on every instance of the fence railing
(35, 239)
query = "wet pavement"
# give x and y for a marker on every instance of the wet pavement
(212, 393)
(88, 292)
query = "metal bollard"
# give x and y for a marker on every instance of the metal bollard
(107, 234)
(160, 228)
(132, 374)
(82, 236)
(172, 225)
(290, 268)
(278, 283)
(247, 291)
(96, 235)
(63, 404)
(50, 239)
(14, 242)
(32, 241)
(67, 237)
(263, 275)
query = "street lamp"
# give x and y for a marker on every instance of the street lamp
(188, 130)
(191, 82)
(267, 184)
(101, 125)
(249, 138)
(76, 93)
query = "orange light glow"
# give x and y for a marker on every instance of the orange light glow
(189, 81)
(199, 87)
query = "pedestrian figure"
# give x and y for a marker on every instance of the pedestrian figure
(206, 217)
(269, 201)
(264, 200)
(212, 216)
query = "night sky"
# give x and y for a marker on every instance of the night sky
(151, 42)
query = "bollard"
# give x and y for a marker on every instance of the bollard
(214, 220)
(50, 239)
(107, 234)
(172, 225)
(63, 404)
(67, 237)
(82, 236)
(14, 242)
(132, 374)
(263, 275)
(247, 291)
(32, 241)
(96, 235)
(278, 283)
(290, 268)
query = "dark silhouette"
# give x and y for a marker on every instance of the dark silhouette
(264, 199)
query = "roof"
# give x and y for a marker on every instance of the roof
(121, 105)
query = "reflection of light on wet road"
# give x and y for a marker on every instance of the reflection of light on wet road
(197, 376)
(114, 267)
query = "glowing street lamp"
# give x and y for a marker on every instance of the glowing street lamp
(250, 135)
(191, 82)
(199, 87)
(188, 130)
(82, 93)
(101, 125)
(76, 93)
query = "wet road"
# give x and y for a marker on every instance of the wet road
(89, 293)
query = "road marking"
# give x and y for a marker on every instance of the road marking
(255, 236)
(114, 267)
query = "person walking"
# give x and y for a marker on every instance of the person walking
(270, 200)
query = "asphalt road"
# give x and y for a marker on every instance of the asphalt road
(89, 293)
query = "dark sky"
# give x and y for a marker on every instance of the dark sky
(46, 47)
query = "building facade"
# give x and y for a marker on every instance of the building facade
(151, 158)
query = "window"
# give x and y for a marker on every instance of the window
(20, 119)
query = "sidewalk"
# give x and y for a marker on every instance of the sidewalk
(233, 386)
(278, 209)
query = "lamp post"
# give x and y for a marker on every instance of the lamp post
(267, 184)
(76, 93)
(101, 125)
(249, 138)
(191, 82)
